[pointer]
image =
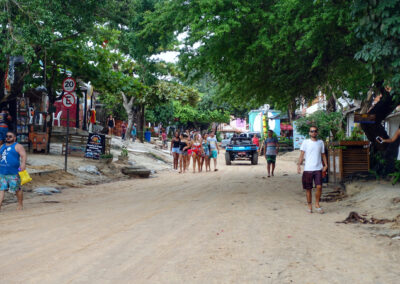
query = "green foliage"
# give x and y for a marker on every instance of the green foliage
(378, 163)
(326, 122)
(396, 175)
(124, 152)
(185, 114)
(356, 135)
(262, 51)
(163, 113)
(377, 26)
(218, 135)
(106, 156)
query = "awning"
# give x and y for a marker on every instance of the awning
(286, 127)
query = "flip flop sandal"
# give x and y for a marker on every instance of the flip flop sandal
(320, 210)
(309, 210)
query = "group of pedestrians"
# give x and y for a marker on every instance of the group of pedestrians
(200, 148)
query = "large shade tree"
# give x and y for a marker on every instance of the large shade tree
(280, 51)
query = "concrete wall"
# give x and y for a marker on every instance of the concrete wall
(392, 124)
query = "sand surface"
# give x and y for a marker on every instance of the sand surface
(230, 226)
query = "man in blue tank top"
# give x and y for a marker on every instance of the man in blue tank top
(12, 160)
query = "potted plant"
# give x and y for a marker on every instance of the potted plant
(106, 158)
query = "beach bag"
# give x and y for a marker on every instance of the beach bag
(25, 177)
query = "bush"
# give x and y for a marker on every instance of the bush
(124, 152)
(106, 156)
(396, 175)
(326, 123)
(218, 136)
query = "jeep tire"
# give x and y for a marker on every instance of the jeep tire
(254, 158)
(228, 159)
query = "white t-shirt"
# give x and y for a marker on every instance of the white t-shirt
(312, 152)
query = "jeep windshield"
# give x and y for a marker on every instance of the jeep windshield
(240, 141)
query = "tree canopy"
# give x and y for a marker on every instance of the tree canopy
(266, 50)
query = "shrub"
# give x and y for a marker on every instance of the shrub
(124, 151)
(326, 123)
(106, 156)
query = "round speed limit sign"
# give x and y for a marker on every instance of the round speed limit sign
(69, 85)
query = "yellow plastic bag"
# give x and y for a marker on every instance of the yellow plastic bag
(25, 177)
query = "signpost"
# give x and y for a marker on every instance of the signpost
(68, 100)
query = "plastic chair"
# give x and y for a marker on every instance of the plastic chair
(57, 117)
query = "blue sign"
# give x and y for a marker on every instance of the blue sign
(297, 137)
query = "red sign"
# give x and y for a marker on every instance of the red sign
(68, 100)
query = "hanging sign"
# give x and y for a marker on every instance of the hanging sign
(364, 118)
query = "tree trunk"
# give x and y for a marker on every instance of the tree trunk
(51, 105)
(128, 106)
(292, 111)
(130, 125)
(140, 122)
(387, 151)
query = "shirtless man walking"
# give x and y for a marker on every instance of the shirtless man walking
(314, 152)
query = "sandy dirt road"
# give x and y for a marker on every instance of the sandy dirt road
(230, 226)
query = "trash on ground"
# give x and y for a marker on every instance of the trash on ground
(355, 218)
(46, 190)
(89, 169)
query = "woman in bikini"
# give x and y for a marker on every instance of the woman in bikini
(189, 151)
(196, 151)
(205, 155)
(175, 143)
(110, 124)
(183, 147)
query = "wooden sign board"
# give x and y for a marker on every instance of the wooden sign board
(364, 118)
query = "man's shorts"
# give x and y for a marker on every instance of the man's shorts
(3, 132)
(271, 159)
(10, 182)
(311, 176)
(214, 154)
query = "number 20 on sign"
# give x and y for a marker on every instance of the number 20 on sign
(69, 85)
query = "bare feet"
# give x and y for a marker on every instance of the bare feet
(20, 208)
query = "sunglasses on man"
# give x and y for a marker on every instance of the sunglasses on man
(313, 131)
(9, 136)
